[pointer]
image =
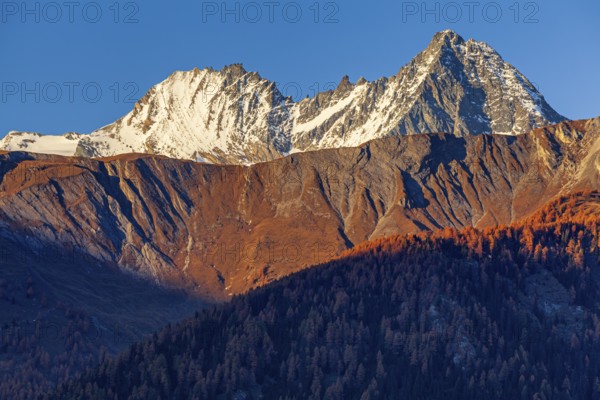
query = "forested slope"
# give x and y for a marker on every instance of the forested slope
(504, 313)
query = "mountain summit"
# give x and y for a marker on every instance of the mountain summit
(235, 116)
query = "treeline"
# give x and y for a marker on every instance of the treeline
(503, 313)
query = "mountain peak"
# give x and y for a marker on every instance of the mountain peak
(345, 84)
(448, 37)
(235, 70)
(231, 71)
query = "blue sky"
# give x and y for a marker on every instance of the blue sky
(76, 66)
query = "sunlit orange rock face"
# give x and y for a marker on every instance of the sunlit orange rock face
(221, 230)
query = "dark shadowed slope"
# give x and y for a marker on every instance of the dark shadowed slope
(63, 312)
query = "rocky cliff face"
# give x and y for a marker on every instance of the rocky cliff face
(234, 116)
(220, 230)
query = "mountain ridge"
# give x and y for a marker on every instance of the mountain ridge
(238, 117)
(219, 230)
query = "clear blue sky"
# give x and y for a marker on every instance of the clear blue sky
(52, 46)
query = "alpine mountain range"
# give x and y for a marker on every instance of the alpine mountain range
(233, 116)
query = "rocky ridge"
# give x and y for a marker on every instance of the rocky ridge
(220, 230)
